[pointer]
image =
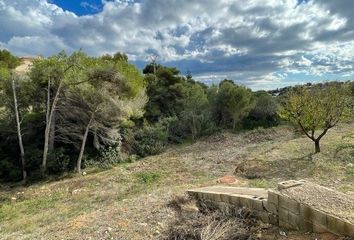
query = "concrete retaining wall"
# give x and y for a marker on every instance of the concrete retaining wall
(276, 209)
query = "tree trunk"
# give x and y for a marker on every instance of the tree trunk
(19, 134)
(317, 146)
(194, 129)
(49, 119)
(82, 149)
(52, 134)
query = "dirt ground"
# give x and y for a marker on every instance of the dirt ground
(131, 201)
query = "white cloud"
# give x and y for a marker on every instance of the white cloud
(253, 40)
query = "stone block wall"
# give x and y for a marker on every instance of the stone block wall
(277, 209)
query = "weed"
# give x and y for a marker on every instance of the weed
(350, 171)
(262, 183)
(149, 177)
(8, 212)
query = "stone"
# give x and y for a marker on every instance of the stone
(305, 226)
(225, 198)
(272, 208)
(335, 225)
(289, 204)
(319, 229)
(305, 212)
(283, 215)
(289, 184)
(273, 197)
(257, 204)
(246, 202)
(318, 217)
(349, 229)
(294, 221)
(227, 180)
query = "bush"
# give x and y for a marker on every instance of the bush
(58, 161)
(252, 123)
(109, 156)
(33, 162)
(182, 128)
(151, 139)
(9, 171)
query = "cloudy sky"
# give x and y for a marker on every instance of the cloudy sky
(262, 44)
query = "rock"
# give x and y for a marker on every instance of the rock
(76, 191)
(191, 208)
(227, 180)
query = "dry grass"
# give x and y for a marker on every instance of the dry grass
(130, 201)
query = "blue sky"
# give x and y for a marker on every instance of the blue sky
(80, 7)
(263, 44)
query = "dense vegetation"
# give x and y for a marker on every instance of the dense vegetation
(72, 111)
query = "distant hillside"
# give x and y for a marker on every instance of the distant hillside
(25, 64)
(284, 90)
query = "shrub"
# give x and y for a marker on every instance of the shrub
(9, 171)
(58, 161)
(151, 139)
(182, 128)
(109, 156)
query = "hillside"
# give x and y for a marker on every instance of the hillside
(131, 200)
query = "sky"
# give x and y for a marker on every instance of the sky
(262, 44)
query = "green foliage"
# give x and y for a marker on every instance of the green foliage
(58, 161)
(232, 104)
(149, 177)
(151, 139)
(264, 113)
(9, 170)
(318, 109)
(109, 156)
(166, 91)
(7, 60)
(108, 102)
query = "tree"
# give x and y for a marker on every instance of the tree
(10, 98)
(195, 104)
(233, 103)
(54, 73)
(7, 60)
(100, 105)
(166, 90)
(264, 113)
(317, 108)
(18, 128)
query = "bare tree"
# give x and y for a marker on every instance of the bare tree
(18, 127)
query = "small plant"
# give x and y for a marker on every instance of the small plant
(262, 183)
(350, 171)
(149, 177)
